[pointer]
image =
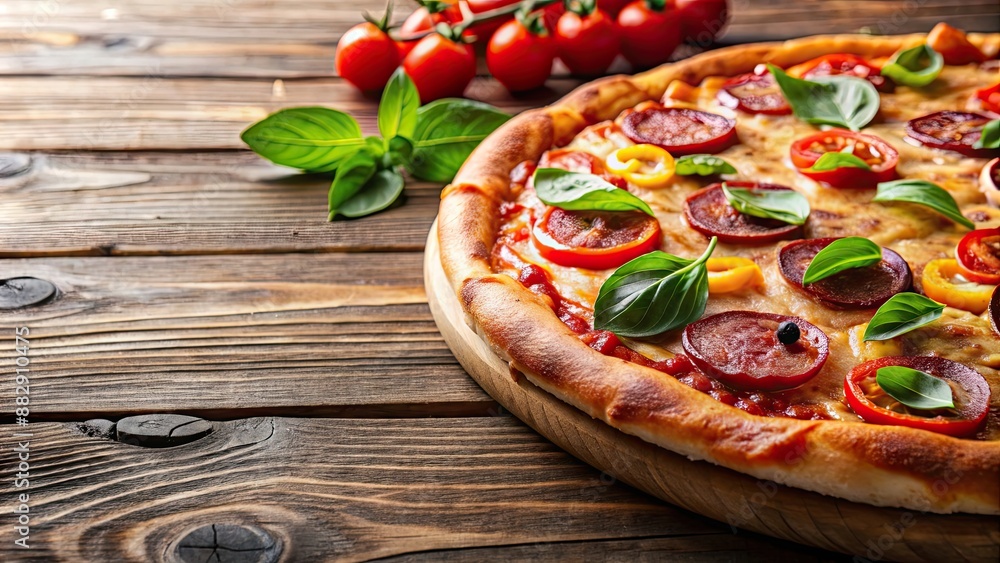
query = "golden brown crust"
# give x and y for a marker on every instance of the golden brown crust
(880, 465)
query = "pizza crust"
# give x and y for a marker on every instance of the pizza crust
(878, 465)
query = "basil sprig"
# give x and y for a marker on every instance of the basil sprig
(990, 137)
(902, 313)
(576, 191)
(842, 254)
(924, 193)
(916, 67)
(835, 160)
(431, 142)
(702, 165)
(843, 101)
(914, 388)
(784, 205)
(653, 293)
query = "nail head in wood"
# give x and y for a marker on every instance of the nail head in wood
(161, 430)
(17, 293)
(228, 543)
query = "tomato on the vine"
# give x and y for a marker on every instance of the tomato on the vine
(366, 56)
(520, 53)
(612, 7)
(702, 20)
(649, 31)
(484, 30)
(586, 39)
(429, 14)
(440, 67)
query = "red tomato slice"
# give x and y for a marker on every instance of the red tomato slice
(708, 212)
(596, 240)
(950, 130)
(741, 348)
(681, 131)
(874, 151)
(581, 162)
(978, 255)
(990, 98)
(847, 64)
(754, 93)
(970, 389)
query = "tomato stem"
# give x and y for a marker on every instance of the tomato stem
(476, 18)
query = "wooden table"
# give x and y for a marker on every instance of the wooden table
(192, 278)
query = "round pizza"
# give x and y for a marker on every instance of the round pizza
(779, 258)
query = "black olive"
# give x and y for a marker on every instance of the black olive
(788, 333)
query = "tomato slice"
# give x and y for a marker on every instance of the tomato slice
(596, 240)
(971, 395)
(878, 154)
(990, 98)
(681, 131)
(857, 288)
(754, 93)
(978, 255)
(845, 64)
(950, 130)
(708, 212)
(742, 348)
(581, 162)
(989, 181)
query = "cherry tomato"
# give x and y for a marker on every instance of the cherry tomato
(990, 98)
(878, 154)
(950, 130)
(440, 67)
(978, 255)
(843, 63)
(754, 93)
(612, 7)
(520, 54)
(680, 131)
(954, 46)
(596, 240)
(366, 57)
(587, 44)
(702, 20)
(650, 30)
(484, 30)
(971, 395)
(423, 20)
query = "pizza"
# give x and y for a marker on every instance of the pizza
(780, 258)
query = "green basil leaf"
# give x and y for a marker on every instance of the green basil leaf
(652, 294)
(835, 160)
(446, 133)
(990, 137)
(915, 67)
(702, 165)
(353, 173)
(400, 150)
(381, 191)
(901, 314)
(924, 193)
(843, 101)
(397, 112)
(784, 205)
(842, 254)
(309, 138)
(583, 192)
(914, 388)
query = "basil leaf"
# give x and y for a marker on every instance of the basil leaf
(914, 388)
(702, 165)
(400, 150)
(446, 132)
(309, 138)
(990, 137)
(916, 67)
(835, 160)
(784, 205)
(924, 193)
(652, 294)
(842, 254)
(901, 314)
(583, 192)
(397, 112)
(352, 174)
(843, 101)
(381, 191)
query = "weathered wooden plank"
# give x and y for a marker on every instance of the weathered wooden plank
(285, 39)
(235, 336)
(187, 203)
(345, 490)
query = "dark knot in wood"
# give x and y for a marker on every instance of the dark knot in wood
(228, 543)
(161, 430)
(14, 164)
(16, 293)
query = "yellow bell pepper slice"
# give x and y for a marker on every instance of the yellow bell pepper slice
(940, 284)
(647, 166)
(732, 273)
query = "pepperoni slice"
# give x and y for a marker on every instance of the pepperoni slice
(742, 348)
(857, 288)
(708, 212)
(754, 93)
(681, 131)
(950, 130)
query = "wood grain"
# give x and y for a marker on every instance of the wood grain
(345, 490)
(234, 336)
